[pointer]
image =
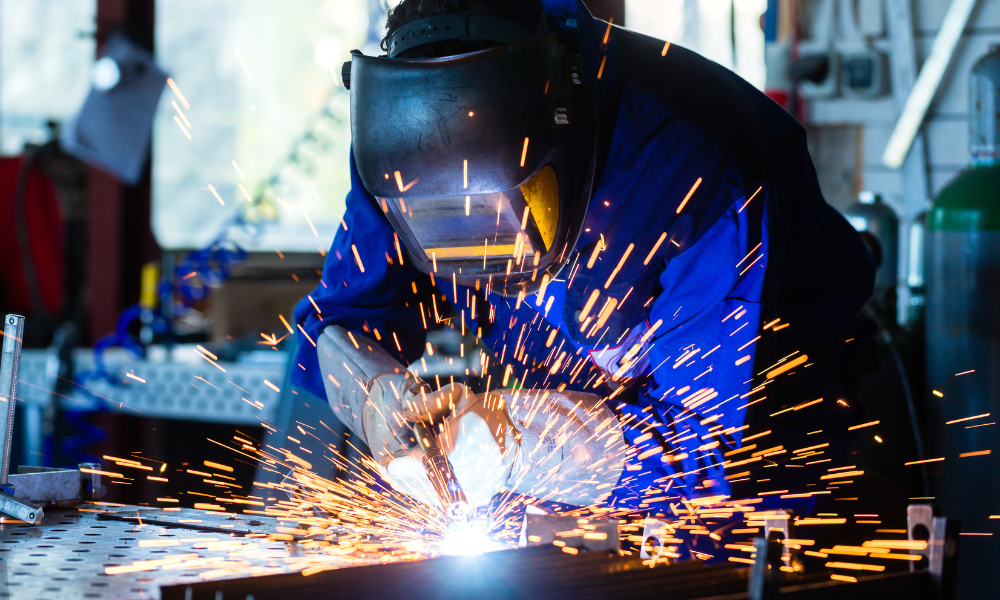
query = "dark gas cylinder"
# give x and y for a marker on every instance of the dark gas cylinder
(879, 227)
(963, 341)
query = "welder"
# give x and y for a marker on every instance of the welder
(636, 236)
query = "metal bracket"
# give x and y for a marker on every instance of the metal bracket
(654, 539)
(765, 574)
(90, 481)
(781, 524)
(13, 333)
(941, 550)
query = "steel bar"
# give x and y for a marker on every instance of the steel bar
(547, 572)
(13, 332)
(21, 510)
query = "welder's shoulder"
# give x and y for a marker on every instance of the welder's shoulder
(719, 101)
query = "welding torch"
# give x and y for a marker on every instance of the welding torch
(440, 472)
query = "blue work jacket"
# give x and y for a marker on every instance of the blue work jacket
(708, 238)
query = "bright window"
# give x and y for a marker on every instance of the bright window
(709, 27)
(263, 84)
(46, 49)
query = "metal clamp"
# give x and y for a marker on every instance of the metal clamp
(782, 523)
(773, 553)
(941, 550)
(654, 536)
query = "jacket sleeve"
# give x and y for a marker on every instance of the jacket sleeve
(710, 313)
(706, 318)
(368, 285)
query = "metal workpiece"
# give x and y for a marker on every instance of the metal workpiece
(573, 532)
(774, 552)
(551, 573)
(91, 487)
(55, 486)
(46, 485)
(233, 525)
(13, 332)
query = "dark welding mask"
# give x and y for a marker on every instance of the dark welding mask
(483, 162)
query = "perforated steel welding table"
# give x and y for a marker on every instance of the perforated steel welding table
(67, 555)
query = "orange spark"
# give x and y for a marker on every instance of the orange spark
(656, 247)
(399, 182)
(621, 263)
(688, 196)
(177, 92)
(968, 418)
(211, 188)
(357, 257)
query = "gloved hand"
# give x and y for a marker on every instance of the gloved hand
(370, 391)
(478, 437)
(551, 448)
(539, 443)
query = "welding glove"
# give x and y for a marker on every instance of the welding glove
(369, 390)
(564, 447)
(478, 437)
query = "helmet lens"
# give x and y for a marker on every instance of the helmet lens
(512, 224)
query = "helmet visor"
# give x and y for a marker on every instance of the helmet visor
(519, 224)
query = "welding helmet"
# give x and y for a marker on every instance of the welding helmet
(483, 162)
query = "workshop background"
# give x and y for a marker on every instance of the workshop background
(159, 325)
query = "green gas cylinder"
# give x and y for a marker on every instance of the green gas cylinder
(963, 340)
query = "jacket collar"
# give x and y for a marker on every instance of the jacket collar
(572, 14)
